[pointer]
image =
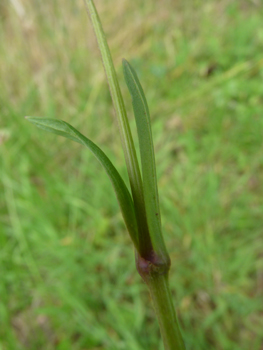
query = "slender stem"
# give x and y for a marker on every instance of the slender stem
(155, 275)
(165, 312)
(152, 268)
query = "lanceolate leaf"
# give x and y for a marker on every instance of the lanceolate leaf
(143, 122)
(62, 128)
(124, 129)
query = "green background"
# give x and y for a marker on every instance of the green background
(67, 273)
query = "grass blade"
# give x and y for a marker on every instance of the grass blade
(143, 122)
(124, 129)
(62, 128)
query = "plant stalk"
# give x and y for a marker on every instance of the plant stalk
(164, 309)
(150, 263)
(157, 281)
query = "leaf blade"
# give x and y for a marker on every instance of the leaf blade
(150, 189)
(124, 129)
(62, 128)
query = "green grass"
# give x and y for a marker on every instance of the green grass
(67, 273)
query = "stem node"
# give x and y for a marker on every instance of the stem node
(153, 266)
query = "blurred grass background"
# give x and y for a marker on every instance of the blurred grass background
(67, 272)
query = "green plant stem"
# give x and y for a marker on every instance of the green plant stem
(165, 312)
(152, 268)
(156, 278)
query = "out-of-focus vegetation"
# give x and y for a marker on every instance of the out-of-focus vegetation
(67, 273)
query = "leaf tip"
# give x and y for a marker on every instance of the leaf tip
(125, 63)
(30, 119)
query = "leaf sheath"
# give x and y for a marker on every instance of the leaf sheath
(143, 123)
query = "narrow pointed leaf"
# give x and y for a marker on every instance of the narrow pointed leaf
(124, 129)
(62, 128)
(143, 122)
